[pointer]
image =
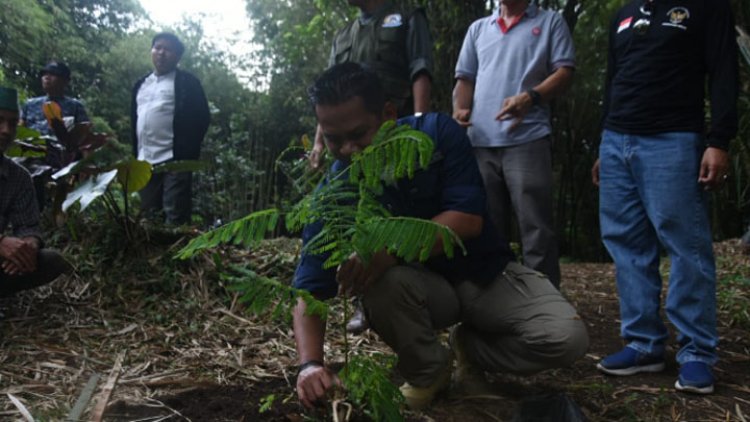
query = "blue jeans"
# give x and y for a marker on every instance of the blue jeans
(649, 195)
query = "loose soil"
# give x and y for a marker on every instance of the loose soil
(189, 353)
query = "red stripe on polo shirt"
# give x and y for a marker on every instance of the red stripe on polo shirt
(507, 28)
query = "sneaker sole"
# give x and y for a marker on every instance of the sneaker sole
(417, 398)
(692, 389)
(654, 367)
(420, 398)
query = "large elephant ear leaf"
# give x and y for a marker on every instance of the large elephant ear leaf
(89, 190)
(134, 175)
(28, 134)
(28, 143)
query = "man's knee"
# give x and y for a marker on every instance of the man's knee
(50, 265)
(573, 341)
(557, 343)
(395, 288)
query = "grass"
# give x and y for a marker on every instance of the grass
(733, 296)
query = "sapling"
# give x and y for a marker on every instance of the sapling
(353, 222)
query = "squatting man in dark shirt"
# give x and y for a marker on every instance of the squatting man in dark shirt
(23, 262)
(507, 318)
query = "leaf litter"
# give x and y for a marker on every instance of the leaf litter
(187, 351)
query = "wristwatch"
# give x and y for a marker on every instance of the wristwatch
(308, 364)
(536, 97)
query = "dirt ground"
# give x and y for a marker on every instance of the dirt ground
(182, 349)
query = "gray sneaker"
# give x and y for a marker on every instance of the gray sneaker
(357, 324)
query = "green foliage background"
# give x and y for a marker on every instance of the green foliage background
(106, 43)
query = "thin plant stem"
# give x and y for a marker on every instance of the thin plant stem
(126, 203)
(346, 335)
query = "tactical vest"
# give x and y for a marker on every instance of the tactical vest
(381, 48)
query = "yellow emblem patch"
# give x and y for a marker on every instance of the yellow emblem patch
(677, 17)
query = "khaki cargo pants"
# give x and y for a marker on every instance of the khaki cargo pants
(517, 323)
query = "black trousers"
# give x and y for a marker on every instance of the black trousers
(169, 193)
(49, 266)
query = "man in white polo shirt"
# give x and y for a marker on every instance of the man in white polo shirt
(511, 65)
(169, 118)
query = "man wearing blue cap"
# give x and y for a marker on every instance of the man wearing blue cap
(23, 262)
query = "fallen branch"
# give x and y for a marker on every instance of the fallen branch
(21, 408)
(739, 412)
(146, 379)
(162, 405)
(103, 400)
(641, 389)
(741, 388)
(83, 399)
(37, 388)
(253, 325)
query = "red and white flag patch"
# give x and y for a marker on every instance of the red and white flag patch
(625, 24)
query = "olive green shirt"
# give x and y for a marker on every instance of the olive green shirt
(395, 44)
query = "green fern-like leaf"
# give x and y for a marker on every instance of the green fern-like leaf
(246, 232)
(366, 379)
(334, 206)
(411, 239)
(317, 206)
(294, 164)
(299, 215)
(266, 296)
(369, 207)
(396, 152)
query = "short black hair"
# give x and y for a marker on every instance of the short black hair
(179, 46)
(345, 81)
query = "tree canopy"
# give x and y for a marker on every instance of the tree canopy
(106, 44)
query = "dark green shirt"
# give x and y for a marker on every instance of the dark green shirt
(395, 44)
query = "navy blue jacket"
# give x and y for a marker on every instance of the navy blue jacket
(451, 182)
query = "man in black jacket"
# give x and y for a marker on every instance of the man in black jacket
(657, 160)
(169, 118)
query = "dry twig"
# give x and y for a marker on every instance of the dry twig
(101, 404)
